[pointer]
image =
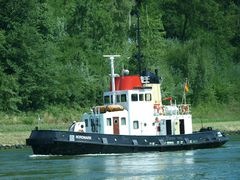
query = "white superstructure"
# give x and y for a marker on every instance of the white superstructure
(134, 106)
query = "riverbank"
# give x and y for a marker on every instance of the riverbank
(17, 138)
(228, 127)
(14, 136)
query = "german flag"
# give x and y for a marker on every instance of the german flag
(186, 87)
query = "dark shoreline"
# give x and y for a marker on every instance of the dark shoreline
(21, 146)
(12, 146)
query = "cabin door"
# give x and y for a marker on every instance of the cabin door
(181, 126)
(115, 125)
(168, 127)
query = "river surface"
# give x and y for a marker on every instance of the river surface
(220, 163)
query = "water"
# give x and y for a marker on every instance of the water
(219, 163)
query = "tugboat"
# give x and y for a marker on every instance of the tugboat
(131, 119)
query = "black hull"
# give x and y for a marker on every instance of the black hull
(73, 143)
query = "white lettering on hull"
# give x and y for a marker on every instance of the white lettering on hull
(83, 137)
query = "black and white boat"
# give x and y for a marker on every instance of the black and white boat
(132, 119)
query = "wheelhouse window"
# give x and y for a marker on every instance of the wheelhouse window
(123, 98)
(141, 97)
(134, 97)
(109, 122)
(111, 99)
(123, 121)
(118, 98)
(135, 125)
(148, 97)
(86, 122)
(106, 99)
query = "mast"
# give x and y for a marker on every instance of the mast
(138, 55)
(113, 75)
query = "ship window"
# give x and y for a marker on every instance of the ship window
(111, 99)
(141, 97)
(134, 97)
(123, 98)
(106, 99)
(148, 97)
(86, 122)
(135, 125)
(118, 98)
(109, 122)
(123, 121)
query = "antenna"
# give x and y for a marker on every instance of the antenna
(138, 55)
(112, 57)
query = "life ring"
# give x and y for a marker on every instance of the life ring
(185, 108)
(159, 109)
(156, 106)
(162, 110)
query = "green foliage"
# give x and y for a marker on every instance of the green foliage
(28, 121)
(51, 51)
(8, 92)
(218, 113)
(203, 52)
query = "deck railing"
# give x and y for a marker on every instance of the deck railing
(181, 109)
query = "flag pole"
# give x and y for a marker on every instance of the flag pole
(184, 97)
